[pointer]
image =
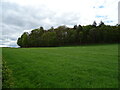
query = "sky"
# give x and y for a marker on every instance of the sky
(18, 16)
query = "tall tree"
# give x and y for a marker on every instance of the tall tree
(24, 39)
(94, 24)
(101, 23)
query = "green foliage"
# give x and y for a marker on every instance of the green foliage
(7, 79)
(49, 39)
(23, 41)
(94, 66)
(77, 35)
(19, 41)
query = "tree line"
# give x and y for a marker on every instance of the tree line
(63, 35)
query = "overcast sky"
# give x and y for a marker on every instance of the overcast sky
(19, 16)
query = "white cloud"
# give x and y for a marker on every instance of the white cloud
(24, 15)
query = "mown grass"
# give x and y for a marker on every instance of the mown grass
(94, 66)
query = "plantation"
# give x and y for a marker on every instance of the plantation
(93, 66)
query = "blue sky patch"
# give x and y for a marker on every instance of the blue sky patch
(110, 21)
(101, 6)
(99, 16)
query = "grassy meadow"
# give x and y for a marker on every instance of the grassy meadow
(93, 66)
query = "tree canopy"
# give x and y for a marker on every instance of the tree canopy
(63, 35)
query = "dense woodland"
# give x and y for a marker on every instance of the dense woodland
(63, 35)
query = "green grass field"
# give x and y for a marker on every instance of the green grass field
(94, 66)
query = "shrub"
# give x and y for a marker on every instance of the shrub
(7, 79)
